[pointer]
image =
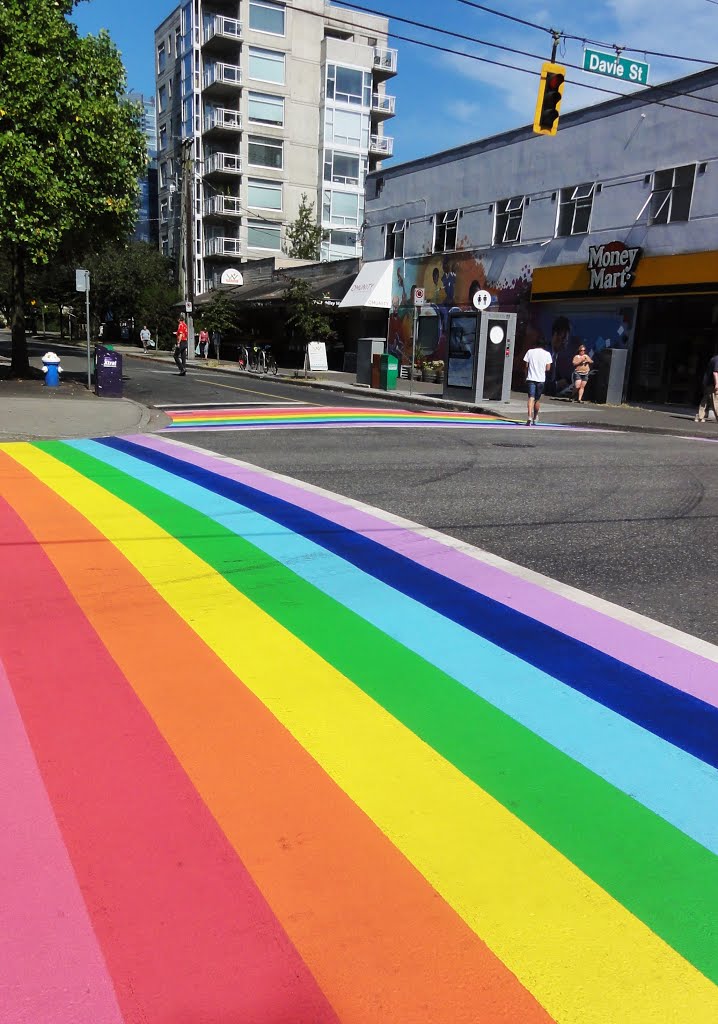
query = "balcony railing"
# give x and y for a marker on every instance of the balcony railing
(221, 118)
(223, 163)
(381, 145)
(222, 74)
(383, 104)
(223, 247)
(223, 206)
(385, 60)
(220, 27)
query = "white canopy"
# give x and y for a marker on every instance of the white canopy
(372, 286)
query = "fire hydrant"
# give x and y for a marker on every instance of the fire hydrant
(52, 369)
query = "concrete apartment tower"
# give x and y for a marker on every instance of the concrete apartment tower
(257, 103)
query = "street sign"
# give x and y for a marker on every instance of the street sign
(610, 65)
(82, 280)
(481, 299)
(188, 307)
(419, 296)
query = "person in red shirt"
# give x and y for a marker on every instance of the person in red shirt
(180, 353)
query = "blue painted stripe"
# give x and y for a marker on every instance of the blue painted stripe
(665, 779)
(663, 710)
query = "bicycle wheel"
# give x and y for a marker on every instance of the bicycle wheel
(273, 368)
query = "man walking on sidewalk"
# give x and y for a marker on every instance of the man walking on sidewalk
(180, 353)
(145, 337)
(538, 363)
(709, 399)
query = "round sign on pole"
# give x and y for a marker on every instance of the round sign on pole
(481, 300)
(496, 335)
(419, 296)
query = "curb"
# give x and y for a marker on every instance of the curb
(427, 400)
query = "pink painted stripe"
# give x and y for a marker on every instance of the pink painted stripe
(684, 670)
(51, 966)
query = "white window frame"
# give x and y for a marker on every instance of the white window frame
(342, 220)
(269, 185)
(580, 197)
(264, 54)
(341, 179)
(266, 140)
(444, 222)
(395, 241)
(335, 141)
(657, 206)
(268, 4)
(510, 212)
(279, 100)
(267, 227)
(161, 53)
(162, 99)
(350, 99)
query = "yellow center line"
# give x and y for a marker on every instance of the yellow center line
(250, 391)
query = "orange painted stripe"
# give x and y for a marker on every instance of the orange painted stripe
(383, 946)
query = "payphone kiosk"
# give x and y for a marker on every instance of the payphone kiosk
(480, 356)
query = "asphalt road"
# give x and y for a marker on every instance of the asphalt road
(628, 517)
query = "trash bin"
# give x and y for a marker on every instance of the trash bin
(388, 372)
(108, 372)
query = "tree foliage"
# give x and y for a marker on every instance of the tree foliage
(309, 317)
(133, 281)
(304, 236)
(71, 148)
(219, 314)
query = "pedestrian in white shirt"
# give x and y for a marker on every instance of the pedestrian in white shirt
(538, 363)
(145, 337)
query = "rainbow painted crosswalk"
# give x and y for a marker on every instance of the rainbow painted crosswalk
(297, 416)
(276, 757)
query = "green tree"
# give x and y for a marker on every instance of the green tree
(133, 280)
(219, 314)
(71, 148)
(304, 236)
(309, 317)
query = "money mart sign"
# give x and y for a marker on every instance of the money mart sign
(612, 266)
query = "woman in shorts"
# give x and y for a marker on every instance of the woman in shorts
(582, 364)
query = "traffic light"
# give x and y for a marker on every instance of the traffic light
(549, 99)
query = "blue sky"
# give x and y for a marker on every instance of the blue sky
(444, 100)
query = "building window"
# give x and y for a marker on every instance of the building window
(163, 138)
(671, 194)
(394, 245)
(343, 168)
(266, 65)
(574, 212)
(161, 58)
(264, 195)
(265, 16)
(445, 228)
(349, 85)
(263, 152)
(266, 109)
(342, 208)
(346, 128)
(264, 236)
(509, 215)
(162, 99)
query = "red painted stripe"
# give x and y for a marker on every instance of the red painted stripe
(186, 934)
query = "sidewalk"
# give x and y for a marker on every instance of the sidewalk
(647, 418)
(29, 411)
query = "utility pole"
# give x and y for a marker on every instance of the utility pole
(188, 238)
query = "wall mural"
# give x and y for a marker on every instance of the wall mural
(450, 281)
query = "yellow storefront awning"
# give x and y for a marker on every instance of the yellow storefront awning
(695, 272)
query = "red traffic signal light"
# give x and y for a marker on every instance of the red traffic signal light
(549, 99)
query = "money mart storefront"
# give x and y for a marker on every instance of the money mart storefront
(654, 317)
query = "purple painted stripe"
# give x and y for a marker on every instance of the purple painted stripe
(51, 966)
(682, 669)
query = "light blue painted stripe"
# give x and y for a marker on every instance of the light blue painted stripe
(679, 787)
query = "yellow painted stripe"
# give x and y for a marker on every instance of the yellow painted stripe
(582, 955)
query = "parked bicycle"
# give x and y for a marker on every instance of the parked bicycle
(243, 358)
(271, 362)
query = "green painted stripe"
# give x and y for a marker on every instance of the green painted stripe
(600, 829)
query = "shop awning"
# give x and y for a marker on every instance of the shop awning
(372, 287)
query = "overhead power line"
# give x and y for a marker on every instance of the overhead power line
(499, 46)
(583, 38)
(513, 67)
